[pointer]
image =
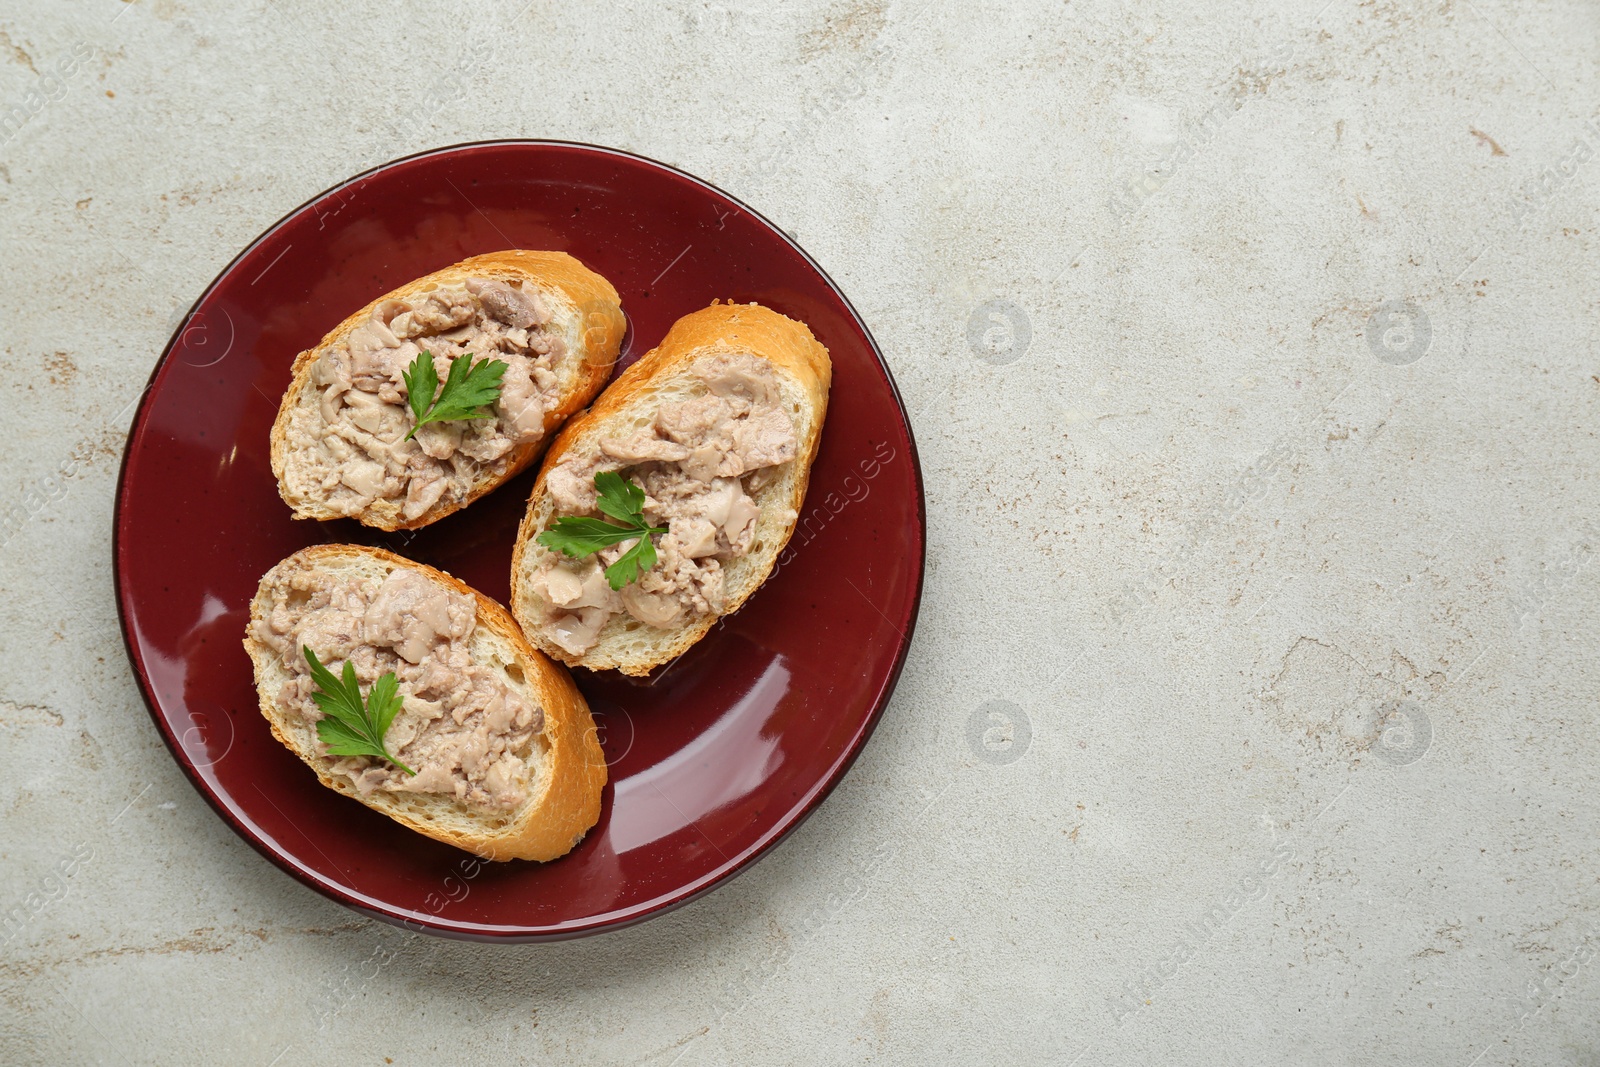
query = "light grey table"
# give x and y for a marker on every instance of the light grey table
(1252, 353)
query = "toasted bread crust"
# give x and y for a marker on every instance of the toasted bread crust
(721, 328)
(567, 801)
(559, 277)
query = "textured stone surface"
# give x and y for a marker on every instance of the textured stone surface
(1252, 353)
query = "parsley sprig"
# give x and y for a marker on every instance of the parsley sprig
(468, 388)
(351, 728)
(580, 537)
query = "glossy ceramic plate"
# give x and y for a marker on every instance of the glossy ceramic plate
(713, 759)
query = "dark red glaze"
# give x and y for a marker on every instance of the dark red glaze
(715, 758)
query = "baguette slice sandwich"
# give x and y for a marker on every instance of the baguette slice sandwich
(717, 426)
(501, 747)
(340, 444)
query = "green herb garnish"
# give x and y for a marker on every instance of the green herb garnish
(351, 729)
(468, 388)
(580, 537)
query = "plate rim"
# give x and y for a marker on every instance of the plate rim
(502, 933)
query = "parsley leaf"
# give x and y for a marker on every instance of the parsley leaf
(632, 563)
(580, 537)
(422, 381)
(351, 729)
(619, 497)
(469, 388)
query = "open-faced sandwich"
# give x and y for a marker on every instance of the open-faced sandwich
(666, 504)
(437, 393)
(416, 695)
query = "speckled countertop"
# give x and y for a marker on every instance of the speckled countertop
(1251, 713)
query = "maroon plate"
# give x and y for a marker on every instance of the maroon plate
(715, 758)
